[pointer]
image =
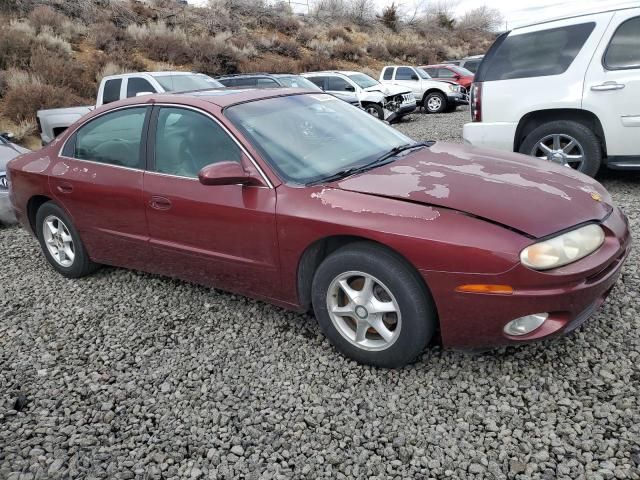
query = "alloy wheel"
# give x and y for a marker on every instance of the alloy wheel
(364, 311)
(561, 149)
(58, 241)
(434, 104)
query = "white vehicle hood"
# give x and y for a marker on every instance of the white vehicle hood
(388, 89)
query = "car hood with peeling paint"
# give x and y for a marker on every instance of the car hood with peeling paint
(533, 196)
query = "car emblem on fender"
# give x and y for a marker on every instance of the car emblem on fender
(596, 196)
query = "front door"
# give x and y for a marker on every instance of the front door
(98, 180)
(612, 86)
(407, 77)
(221, 236)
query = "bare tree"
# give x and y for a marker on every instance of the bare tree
(481, 19)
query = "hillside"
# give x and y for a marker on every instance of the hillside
(54, 52)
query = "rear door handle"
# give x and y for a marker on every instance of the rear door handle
(64, 188)
(160, 203)
(607, 86)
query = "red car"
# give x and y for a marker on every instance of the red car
(299, 199)
(450, 73)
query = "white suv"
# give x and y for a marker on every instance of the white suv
(567, 91)
(376, 99)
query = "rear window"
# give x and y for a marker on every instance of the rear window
(537, 54)
(111, 92)
(388, 73)
(624, 50)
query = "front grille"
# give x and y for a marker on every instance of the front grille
(407, 98)
(4, 183)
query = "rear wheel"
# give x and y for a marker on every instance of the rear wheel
(566, 143)
(60, 242)
(372, 306)
(435, 102)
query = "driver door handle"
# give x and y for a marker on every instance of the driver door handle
(607, 86)
(160, 203)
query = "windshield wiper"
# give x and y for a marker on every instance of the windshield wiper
(381, 160)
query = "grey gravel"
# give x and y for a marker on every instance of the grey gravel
(132, 376)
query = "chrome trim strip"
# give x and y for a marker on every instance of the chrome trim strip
(174, 105)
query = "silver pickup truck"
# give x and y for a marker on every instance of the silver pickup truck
(116, 87)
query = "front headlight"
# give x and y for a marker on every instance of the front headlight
(452, 88)
(563, 249)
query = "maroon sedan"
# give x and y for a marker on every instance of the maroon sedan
(450, 73)
(299, 199)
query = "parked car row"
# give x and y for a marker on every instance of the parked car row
(8, 151)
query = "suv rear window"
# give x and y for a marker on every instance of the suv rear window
(111, 92)
(537, 54)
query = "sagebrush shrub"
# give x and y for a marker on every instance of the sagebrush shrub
(44, 16)
(23, 101)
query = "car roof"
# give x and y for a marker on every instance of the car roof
(152, 74)
(257, 74)
(339, 72)
(222, 97)
(585, 14)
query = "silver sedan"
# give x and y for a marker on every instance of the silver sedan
(8, 151)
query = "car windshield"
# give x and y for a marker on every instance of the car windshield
(183, 83)
(306, 138)
(422, 73)
(295, 81)
(461, 71)
(363, 80)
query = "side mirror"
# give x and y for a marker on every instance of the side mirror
(225, 173)
(350, 88)
(414, 76)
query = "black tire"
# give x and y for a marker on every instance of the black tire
(375, 110)
(587, 139)
(438, 106)
(417, 311)
(81, 264)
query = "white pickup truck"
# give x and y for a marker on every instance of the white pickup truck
(117, 87)
(433, 95)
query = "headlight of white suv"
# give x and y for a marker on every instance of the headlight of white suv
(452, 87)
(564, 249)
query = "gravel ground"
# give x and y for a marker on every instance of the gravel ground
(128, 375)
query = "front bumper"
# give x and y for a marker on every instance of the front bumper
(458, 98)
(570, 295)
(7, 215)
(406, 108)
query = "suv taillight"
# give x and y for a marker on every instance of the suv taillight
(476, 102)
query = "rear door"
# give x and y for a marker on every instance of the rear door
(98, 180)
(612, 86)
(223, 236)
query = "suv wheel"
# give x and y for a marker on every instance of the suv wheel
(375, 110)
(435, 102)
(372, 306)
(567, 143)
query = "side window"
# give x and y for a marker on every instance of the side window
(186, 141)
(227, 82)
(337, 84)
(138, 85)
(445, 73)
(245, 82)
(472, 65)
(538, 54)
(624, 50)
(113, 138)
(111, 92)
(266, 83)
(319, 81)
(405, 73)
(388, 73)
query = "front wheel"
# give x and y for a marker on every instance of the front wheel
(372, 306)
(375, 110)
(435, 102)
(61, 243)
(566, 143)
